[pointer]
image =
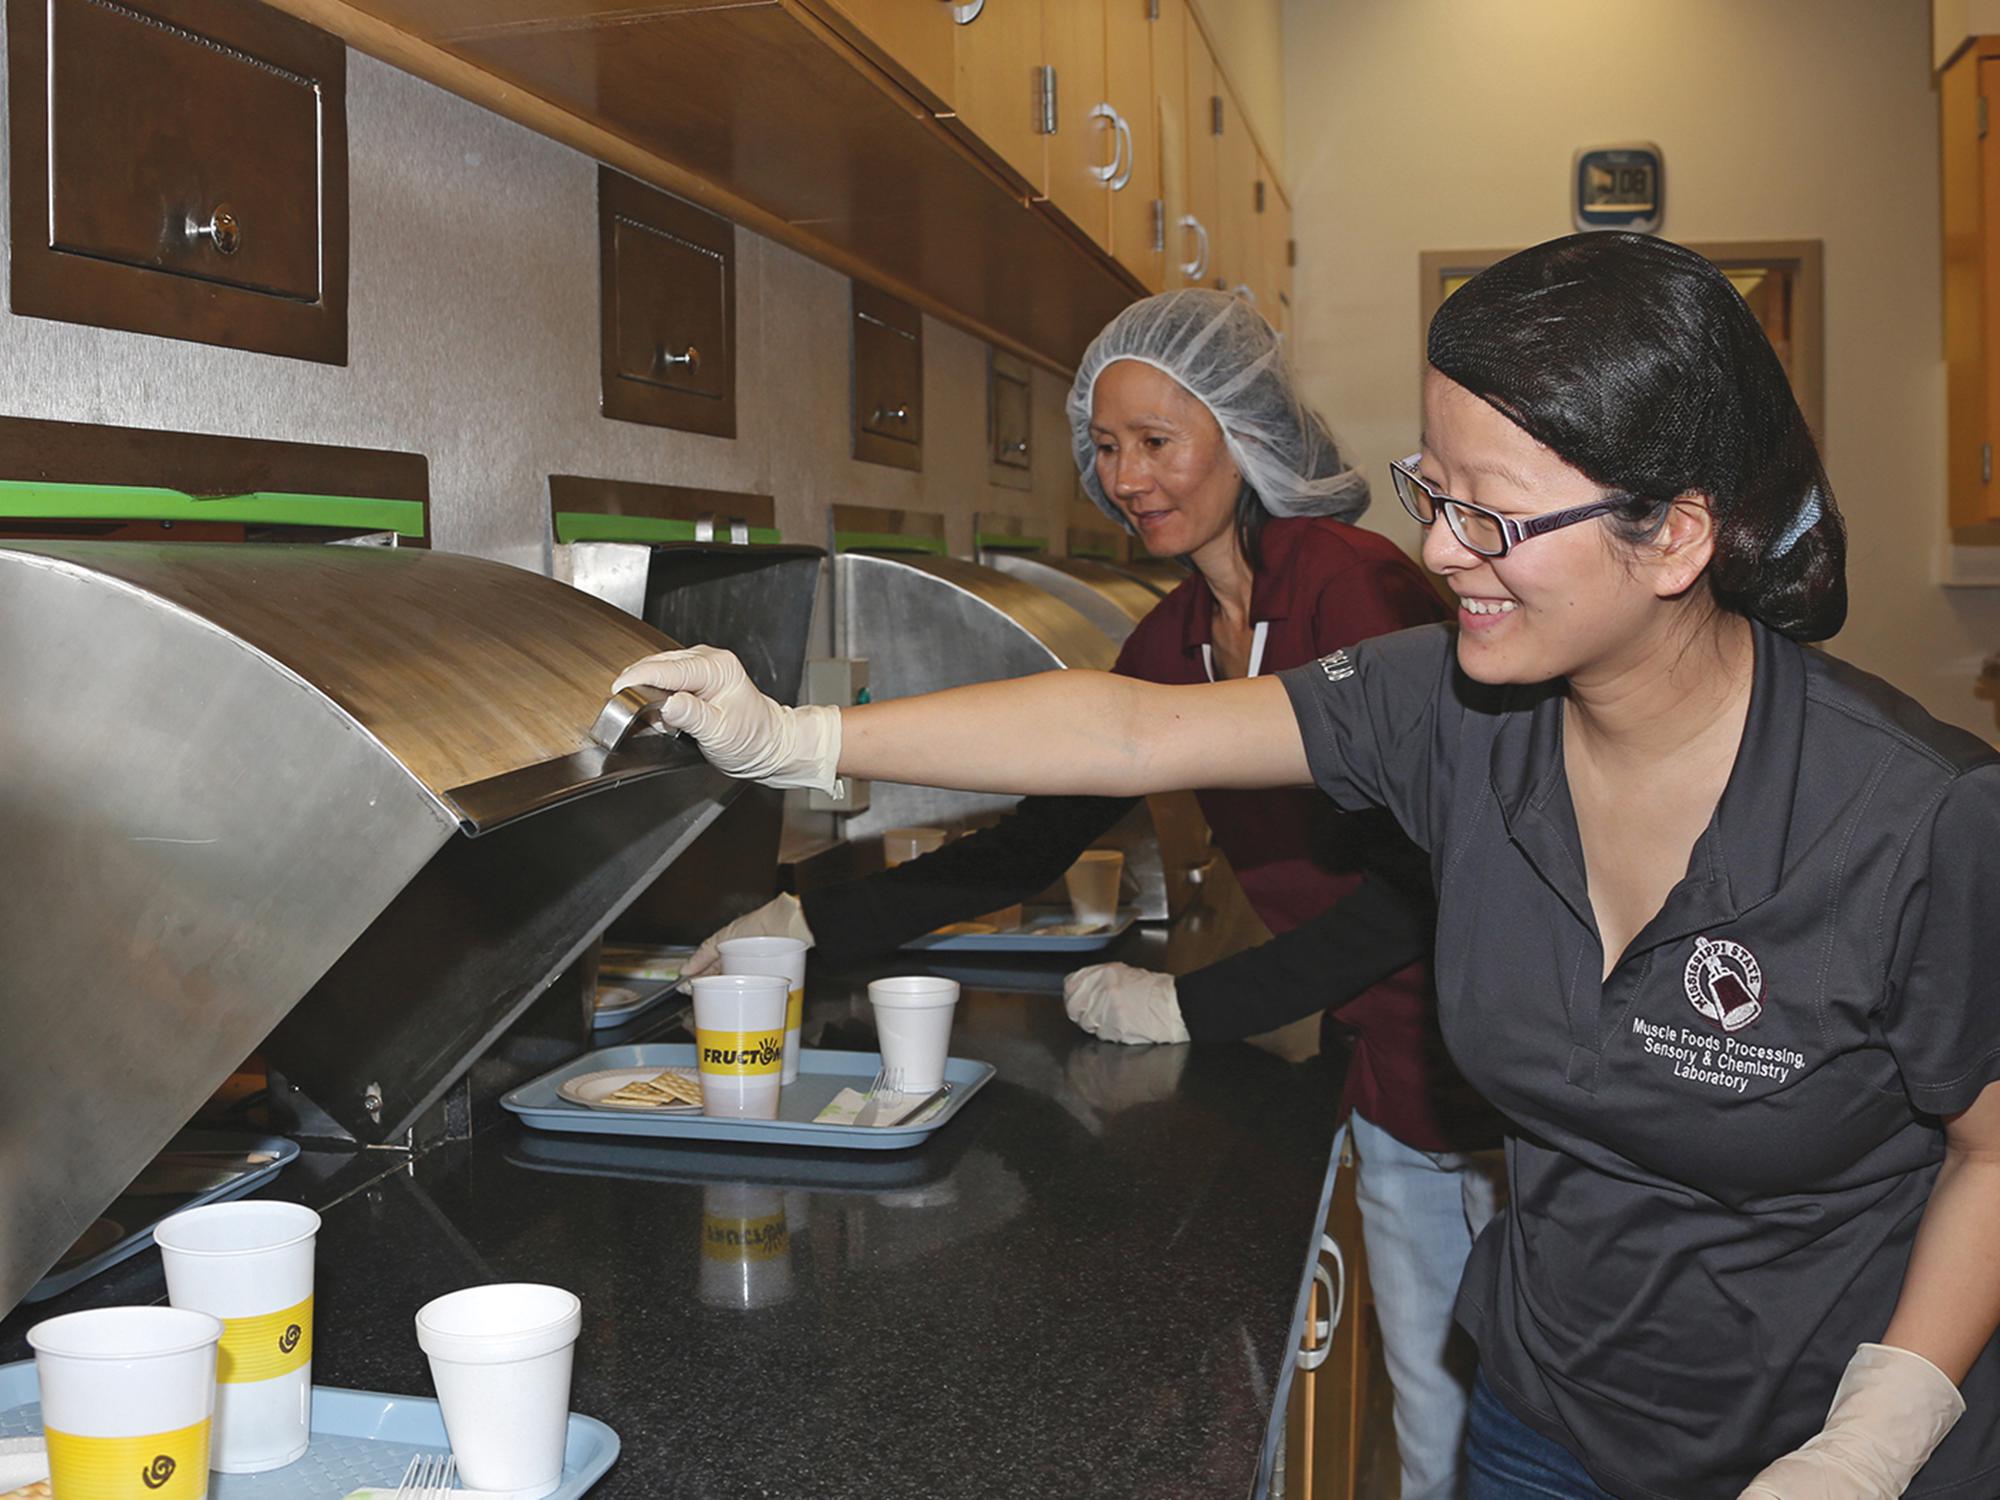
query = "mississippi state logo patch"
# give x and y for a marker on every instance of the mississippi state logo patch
(1725, 983)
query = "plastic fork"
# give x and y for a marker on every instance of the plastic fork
(430, 1476)
(886, 1092)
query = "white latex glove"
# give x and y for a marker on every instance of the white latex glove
(738, 728)
(782, 917)
(1891, 1409)
(1124, 1004)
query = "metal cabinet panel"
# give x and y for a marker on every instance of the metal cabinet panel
(888, 380)
(668, 305)
(180, 168)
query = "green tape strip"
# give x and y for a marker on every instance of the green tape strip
(886, 541)
(29, 498)
(1000, 541)
(592, 526)
(1095, 551)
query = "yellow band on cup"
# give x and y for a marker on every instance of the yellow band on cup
(795, 1010)
(741, 1053)
(266, 1346)
(726, 1237)
(167, 1465)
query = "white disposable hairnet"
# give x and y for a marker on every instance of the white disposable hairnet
(1228, 358)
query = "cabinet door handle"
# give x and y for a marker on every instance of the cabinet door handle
(1109, 170)
(965, 12)
(1312, 1356)
(688, 359)
(892, 414)
(1197, 268)
(1015, 445)
(1125, 141)
(221, 230)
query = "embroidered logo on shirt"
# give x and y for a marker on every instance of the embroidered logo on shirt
(1725, 983)
(1338, 666)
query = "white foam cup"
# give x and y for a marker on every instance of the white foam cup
(1093, 885)
(500, 1358)
(786, 958)
(251, 1265)
(128, 1394)
(746, 1246)
(739, 1033)
(913, 1027)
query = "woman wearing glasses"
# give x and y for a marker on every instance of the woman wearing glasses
(1188, 431)
(1714, 923)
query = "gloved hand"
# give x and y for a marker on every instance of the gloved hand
(781, 917)
(1124, 1004)
(738, 728)
(1891, 1409)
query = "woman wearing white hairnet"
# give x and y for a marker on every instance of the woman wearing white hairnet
(1188, 431)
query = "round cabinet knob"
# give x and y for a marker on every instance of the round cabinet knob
(892, 414)
(221, 230)
(688, 359)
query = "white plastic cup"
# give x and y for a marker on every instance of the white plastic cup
(1093, 885)
(901, 844)
(746, 1246)
(739, 1034)
(913, 1027)
(786, 958)
(500, 1358)
(251, 1265)
(128, 1394)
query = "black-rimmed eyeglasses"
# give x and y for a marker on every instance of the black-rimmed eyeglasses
(1478, 529)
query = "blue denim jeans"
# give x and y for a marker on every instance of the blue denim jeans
(1506, 1459)
(1420, 1211)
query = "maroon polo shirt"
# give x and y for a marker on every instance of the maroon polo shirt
(1323, 585)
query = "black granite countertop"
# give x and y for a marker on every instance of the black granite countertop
(1085, 1284)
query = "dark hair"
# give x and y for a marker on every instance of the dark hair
(1636, 361)
(1250, 519)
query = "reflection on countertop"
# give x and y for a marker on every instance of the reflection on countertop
(1085, 1284)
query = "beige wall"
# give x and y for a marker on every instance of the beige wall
(1248, 37)
(1953, 21)
(474, 340)
(1449, 124)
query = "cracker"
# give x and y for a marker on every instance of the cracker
(39, 1490)
(668, 1087)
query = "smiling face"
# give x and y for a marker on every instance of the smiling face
(1573, 603)
(1162, 460)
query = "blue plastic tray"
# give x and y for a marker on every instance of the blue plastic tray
(140, 1236)
(650, 991)
(1029, 937)
(360, 1439)
(822, 1074)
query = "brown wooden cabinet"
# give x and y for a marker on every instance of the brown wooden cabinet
(180, 168)
(1969, 101)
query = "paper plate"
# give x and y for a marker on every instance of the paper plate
(589, 1089)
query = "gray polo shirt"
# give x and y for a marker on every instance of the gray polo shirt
(1720, 1155)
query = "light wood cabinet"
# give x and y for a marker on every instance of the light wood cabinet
(1086, 150)
(915, 39)
(996, 61)
(1969, 116)
(1137, 206)
(1339, 1427)
(1239, 247)
(1274, 220)
(1170, 109)
(1203, 95)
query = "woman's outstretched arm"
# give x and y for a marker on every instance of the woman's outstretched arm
(1083, 732)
